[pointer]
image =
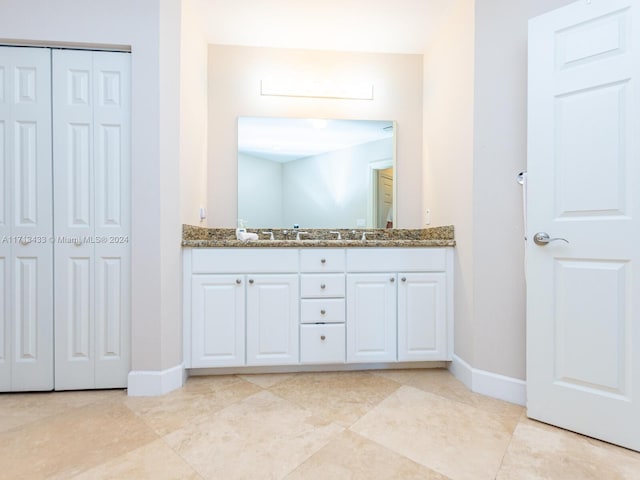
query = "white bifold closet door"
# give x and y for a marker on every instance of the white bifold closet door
(26, 252)
(91, 168)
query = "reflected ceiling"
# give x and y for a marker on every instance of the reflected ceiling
(286, 139)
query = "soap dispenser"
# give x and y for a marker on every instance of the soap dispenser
(240, 230)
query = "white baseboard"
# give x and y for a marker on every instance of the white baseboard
(154, 383)
(490, 384)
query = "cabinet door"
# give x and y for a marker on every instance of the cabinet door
(371, 317)
(26, 255)
(217, 316)
(422, 317)
(272, 319)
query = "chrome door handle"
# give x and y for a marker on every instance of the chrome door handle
(542, 238)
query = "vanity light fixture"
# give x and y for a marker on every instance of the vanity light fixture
(318, 89)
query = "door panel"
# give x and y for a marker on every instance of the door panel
(32, 355)
(218, 328)
(583, 322)
(112, 317)
(25, 220)
(272, 319)
(586, 185)
(92, 198)
(5, 324)
(422, 317)
(371, 317)
(592, 306)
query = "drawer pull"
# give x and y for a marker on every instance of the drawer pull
(323, 286)
(322, 337)
(238, 281)
(404, 279)
(323, 311)
(324, 260)
(251, 281)
(392, 279)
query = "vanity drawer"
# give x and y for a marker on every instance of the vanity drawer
(322, 343)
(322, 310)
(324, 260)
(432, 259)
(244, 260)
(317, 286)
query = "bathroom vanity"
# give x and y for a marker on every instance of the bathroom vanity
(333, 303)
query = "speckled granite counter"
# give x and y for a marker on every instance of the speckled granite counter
(201, 237)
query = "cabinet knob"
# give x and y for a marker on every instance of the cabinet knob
(251, 281)
(323, 311)
(404, 279)
(322, 337)
(238, 281)
(323, 286)
(324, 260)
(392, 279)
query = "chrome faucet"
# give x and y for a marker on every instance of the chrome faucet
(337, 233)
(364, 235)
(301, 233)
(270, 233)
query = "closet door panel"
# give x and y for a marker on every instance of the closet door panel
(113, 145)
(29, 97)
(26, 251)
(91, 157)
(29, 94)
(31, 316)
(5, 323)
(5, 241)
(73, 146)
(112, 124)
(74, 343)
(73, 227)
(112, 320)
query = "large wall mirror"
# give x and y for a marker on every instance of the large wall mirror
(315, 173)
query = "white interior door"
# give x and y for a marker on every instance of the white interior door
(26, 300)
(583, 306)
(91, 152)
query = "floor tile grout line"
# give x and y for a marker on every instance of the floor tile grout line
(450, 399)
(193, 467)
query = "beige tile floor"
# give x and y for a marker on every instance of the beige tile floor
(396, 424)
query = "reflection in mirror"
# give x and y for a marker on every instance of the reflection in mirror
(315, 173)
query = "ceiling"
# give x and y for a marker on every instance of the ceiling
(386, 26)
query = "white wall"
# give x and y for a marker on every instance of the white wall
(476, 145)
(500, 153)
(234, 90)
(193, 114)
(149, 27)
(448, 133)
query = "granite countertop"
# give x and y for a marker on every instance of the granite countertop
(202, 237)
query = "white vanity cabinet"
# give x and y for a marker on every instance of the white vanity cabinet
(237, 297)
(399, 304)
(250, 307)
